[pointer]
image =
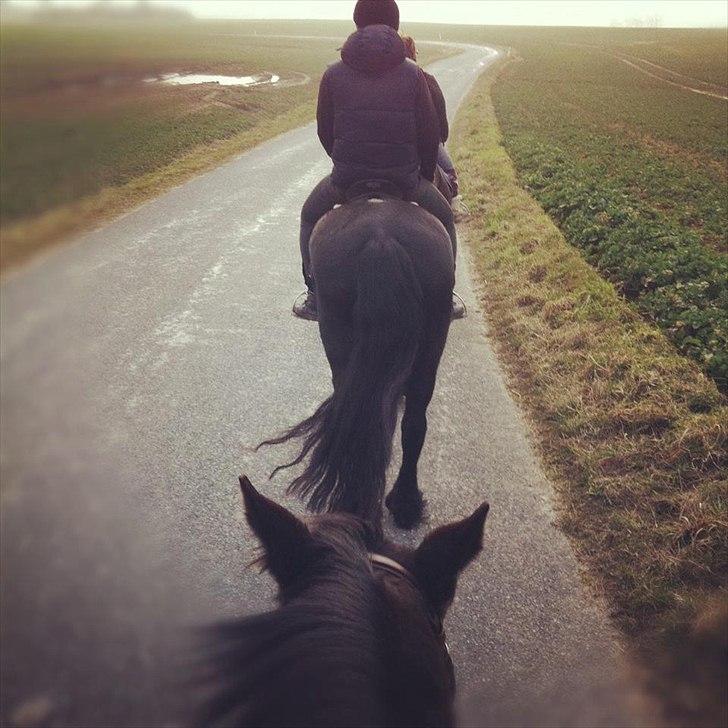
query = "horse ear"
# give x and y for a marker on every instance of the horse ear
(283, 536)
(445, 552)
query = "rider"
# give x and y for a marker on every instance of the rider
(376, 120)
(446, 178)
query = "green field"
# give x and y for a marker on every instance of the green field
(83, 136)
(634, 172)
(77, 116)
(698, 54)
(633, 168)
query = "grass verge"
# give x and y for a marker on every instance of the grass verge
(27, 237)
(634, 436)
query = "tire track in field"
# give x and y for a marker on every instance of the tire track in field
(667, 80)
(699, 81)
(630, 61)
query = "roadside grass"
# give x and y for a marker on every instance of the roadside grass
(633, 434)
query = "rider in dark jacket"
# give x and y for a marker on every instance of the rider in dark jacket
(446, 178)
(438, 99)
(376, 120)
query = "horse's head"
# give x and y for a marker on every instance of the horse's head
(293, 547)
(413, 589)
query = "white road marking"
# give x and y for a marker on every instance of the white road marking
(185, 327)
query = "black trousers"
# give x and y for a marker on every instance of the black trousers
(325, 195)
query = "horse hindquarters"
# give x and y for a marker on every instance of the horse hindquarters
(349, 438)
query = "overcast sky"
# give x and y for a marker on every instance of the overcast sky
(671, 13)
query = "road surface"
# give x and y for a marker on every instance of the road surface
(140, 363)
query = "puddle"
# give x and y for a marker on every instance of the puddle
(185, 79)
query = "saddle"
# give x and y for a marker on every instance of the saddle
(373, 189)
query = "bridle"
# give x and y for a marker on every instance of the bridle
(384, 563)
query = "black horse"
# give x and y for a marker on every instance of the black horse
(357, 639)
(384, 274)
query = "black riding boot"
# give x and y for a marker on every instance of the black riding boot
(305, 306)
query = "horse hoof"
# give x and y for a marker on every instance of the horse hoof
(406, 511)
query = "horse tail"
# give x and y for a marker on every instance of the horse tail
(349, 437)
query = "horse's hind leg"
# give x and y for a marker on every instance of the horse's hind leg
(405, 501)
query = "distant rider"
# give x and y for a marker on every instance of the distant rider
(376, 120)
(446, 178)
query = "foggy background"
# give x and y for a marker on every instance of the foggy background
(637, 13)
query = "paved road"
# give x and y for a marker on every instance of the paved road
(138, 366)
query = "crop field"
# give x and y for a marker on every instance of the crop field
(698, 55)
(633, 169)
(622, 136)
(79, 119)
(77, 115)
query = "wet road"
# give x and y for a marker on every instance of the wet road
(138, 367)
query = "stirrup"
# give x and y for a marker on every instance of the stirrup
(461, 205)
(458, 298)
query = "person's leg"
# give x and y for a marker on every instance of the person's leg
(442, 182)
(445, 163)
(323, 197)
(444, 159)
(427, 196)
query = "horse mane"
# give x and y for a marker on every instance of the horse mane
(319, 659)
